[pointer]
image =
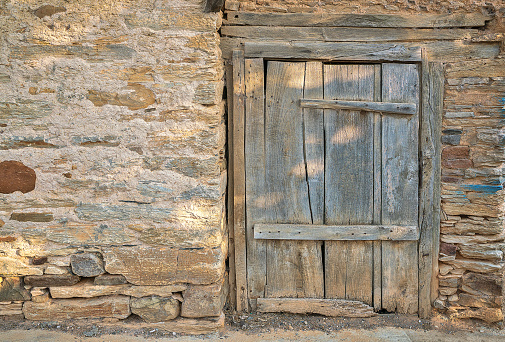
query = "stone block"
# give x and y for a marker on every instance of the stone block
(61, 309)
(15, 267)
(136, 96)
(55, 270)
(11, 289)
(488, 284)
(87, 264)
(169, 20)
(447, 291)
(448, 249)
(470, 300)
(11, 309)
(16, 177)
(52, 280)
(490, 315)
(456, 152)
(479, 251)
(203, 301)
(87, 289)
(110, 279)
(155, 309)
(143, 265)
(449, 281)
(84, 234)
(48, 10)
(475, 265)
(101, 212)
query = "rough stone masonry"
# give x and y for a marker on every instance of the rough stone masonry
(112, 170)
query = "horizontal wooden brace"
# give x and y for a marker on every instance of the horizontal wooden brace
(386, 107)
(327, 232)
(333, 51)
(327, 307)
(356, 20)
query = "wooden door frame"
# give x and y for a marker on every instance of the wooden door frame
(431, 107)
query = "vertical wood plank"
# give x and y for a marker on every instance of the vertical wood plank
(429, 213)
(377, 190)
(292, 267)
(255, 176)
(313, 123)
(400, 83)
(239, 180)
(349, 180)
(232, 293)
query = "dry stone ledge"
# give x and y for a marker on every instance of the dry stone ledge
(87, 289)
(110, 279)
(87, 264)
(60, 309)
(155, 309)
(12, 290)
(10, 309)
(52, 280)
(15, 267)
(145, 265)
(490, 315)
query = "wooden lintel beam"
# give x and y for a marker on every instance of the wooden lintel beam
(336, 233)
(385, 107)
(356, 20)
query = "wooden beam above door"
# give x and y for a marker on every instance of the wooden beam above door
(336, 233)
(333, 51)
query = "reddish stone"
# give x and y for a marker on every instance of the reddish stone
(48, 10)
(458, 163)
(450, 179)
(7, 239)
(456, 152)
(448, 248)
(15, 176)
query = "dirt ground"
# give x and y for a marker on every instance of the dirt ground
(262, 327)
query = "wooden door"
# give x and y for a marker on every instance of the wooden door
(331, 182)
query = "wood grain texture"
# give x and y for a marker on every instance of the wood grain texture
(294, 269)
(347, 34)
(335, 233)
(438, 50)
(313, 125)
(255, 176)
(369, 106)
(326, 307)
(429, 213)
(348, 180)
(239, 180)
(232, 293)
(356, 20)
(333, 51)
(377, 190)
(400, 83)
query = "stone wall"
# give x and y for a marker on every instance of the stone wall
(473, 200)
(112, 169)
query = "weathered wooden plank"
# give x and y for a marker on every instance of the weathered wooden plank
(347, 34)
(239, 180)
(232, 293)
(400, 83)
(326, 307)
(377, 191)
(335, 233)
(294, 269)
(429, 208)
(255, 176)
(313, 125)
(369, 106)
(356, 20)
(333, 51)
(349, 166)
(443, 50)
